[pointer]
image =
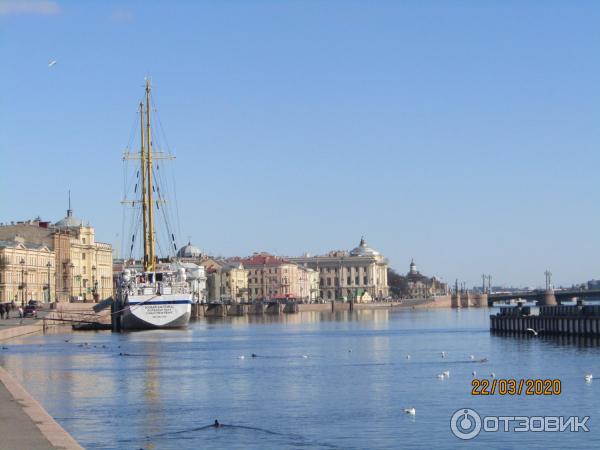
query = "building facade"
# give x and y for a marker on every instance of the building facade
(226, 280)
(82, 267)
(274, 278)
(359, 275)
(27, 271)
(421, 286)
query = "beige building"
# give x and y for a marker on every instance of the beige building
(226, 280)
(421, 286)
(27, 271)
(82, 266)
(274, 278)
(359, 275)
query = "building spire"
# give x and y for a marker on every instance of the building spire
(69, 211)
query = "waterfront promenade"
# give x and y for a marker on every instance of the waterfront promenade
(24, 424)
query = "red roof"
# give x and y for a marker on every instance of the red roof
(263, 260)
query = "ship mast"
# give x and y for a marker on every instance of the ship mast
(143, 183)
(149, 252)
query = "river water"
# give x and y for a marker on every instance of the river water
(319, 380)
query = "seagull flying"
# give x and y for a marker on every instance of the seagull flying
(52, 63)
(588, 377)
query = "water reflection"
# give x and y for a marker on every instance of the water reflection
(355, 371)
(554, 339)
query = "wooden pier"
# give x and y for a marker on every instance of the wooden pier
(575, 320)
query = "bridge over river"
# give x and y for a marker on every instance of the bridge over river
(540, 296)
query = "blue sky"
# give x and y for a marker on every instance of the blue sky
(465, 134)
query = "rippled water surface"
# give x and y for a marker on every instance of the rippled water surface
(331, 381)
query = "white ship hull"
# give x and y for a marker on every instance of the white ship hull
(145, 312)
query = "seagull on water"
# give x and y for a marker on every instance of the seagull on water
(446, 373)
(588, 377)
(411, 411)
(471, 357)
(492, 375)
(440, 376)
(52, 63)
(443, 354)
(407, 356)
(241, 357)
(535, 333)
(305, 356)
(474, 373)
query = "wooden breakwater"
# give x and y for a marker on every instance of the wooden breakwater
(578, 320)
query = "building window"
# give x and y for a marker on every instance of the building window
(328, 281)
(365, 280)
(356, 281)
(83, 240)
(329, 294)
(348, 281)
(83, 256)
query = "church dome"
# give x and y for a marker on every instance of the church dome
(189, 251)
(363, 249)
(69, 222)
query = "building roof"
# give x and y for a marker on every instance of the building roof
(263, 259)
(69, 221)
(189, 251)
(363, 249)
(17, 241)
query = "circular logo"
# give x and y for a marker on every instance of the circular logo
(465, 423)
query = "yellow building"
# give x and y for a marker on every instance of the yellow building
(81, 268)
(86, 268)
(226, 280)
(27, 272)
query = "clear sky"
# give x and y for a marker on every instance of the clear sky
(465, 134)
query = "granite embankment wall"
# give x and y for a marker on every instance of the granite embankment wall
(220, 310)
(25, 424)
(63, 314)
(79, 311)
(21, 330)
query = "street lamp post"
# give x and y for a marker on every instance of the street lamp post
(22, 262)
(94, 283)
(49, 265)
(71, 266)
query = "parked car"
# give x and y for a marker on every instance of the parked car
(34, 303)
(30, 311)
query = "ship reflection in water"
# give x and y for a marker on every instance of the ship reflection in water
(317, 380)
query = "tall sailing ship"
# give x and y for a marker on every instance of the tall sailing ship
(152, 294)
